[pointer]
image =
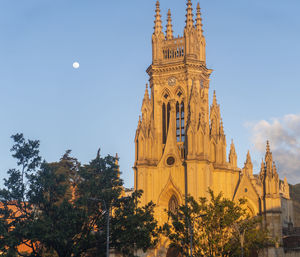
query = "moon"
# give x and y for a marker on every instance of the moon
(75, 65)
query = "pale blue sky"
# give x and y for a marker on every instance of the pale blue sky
(253, 46)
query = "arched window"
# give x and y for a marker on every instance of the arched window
(177, 122)
(180, 122)
(165, 120)
(173, 204)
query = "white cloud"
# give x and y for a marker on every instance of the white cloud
(284, 136)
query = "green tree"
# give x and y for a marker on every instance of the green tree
(16, 213)
(212, 227)
(60, 225)
(59, 208)
(133, 227)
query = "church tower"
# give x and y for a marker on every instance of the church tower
(180, 144)
(178, 129)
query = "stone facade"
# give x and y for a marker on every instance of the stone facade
(180, 145)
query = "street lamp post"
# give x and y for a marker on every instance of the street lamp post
(107, 222)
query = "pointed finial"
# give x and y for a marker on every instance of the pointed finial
(157, 22)
(268, 147)
(169, 31)
(146, 96)
(248, 159)
(232, 147)
(199, 19)
(248, 166)
(189, 15)
(214, 98)
(274, 170)
(146, 99)
(268, 156)
(232, 155)
(221, 127)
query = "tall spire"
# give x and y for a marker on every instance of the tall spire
(189, 15)
(157, 22)
(169, 31)
(199, 20)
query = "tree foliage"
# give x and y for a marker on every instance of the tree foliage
(59, 208)
(133, 226)
(16, 213)
(214, 227)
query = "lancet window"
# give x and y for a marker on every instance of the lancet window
(180, 122)
(165, 120)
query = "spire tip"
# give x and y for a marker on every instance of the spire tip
(169, 31)
(189, 15)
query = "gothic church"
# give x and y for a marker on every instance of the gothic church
(180, 145)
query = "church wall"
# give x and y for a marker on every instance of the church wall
(159, 184)
(225, 181)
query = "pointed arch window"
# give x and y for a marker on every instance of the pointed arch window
(180, 122)
(166, 108)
